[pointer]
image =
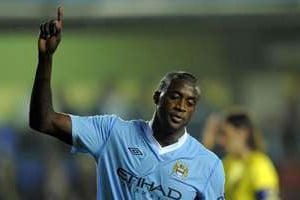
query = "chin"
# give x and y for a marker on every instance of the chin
(176, 126)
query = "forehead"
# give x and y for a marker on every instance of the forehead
(183, 86)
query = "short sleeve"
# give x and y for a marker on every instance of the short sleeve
(90, 134)
(214, 189)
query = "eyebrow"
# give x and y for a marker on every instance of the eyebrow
(194, 97)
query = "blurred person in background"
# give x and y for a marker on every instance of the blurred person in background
(8, 163)
(249, 172)
(135, 159)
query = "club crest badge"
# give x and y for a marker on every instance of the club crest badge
(180, 169)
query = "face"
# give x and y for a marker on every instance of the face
(176, 105)
(232, 139)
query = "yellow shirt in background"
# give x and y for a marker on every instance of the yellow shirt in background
(251, 178)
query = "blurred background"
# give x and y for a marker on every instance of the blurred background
(111, 58)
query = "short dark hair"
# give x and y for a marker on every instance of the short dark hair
(243, 120)
(178, 75)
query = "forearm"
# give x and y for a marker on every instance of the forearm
(42, 116)
(208, 139)
(41, 107)
(210, 131)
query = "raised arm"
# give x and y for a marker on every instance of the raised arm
(212, 127)
(42, 116)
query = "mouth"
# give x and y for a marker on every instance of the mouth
(175, 118)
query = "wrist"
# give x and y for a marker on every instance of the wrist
(44, 56)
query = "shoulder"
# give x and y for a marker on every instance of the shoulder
(259, 160)
(263, 171)
(136, 125)
(199, 150)
(108, 122)
(207, 161)
(95, 119)
(122, 129)
(209, 169)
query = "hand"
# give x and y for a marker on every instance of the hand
(211, 129)
(50, 35)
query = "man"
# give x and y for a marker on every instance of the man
(135, 159)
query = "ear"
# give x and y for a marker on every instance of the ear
(156, 97)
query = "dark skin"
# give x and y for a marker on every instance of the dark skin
(42, 116)
(174, 105)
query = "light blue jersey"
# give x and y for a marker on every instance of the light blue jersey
(132, 165)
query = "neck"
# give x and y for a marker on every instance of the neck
(164, 135)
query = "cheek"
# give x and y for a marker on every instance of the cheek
(190, 112)
(191, 109)
(167, 103)
(164, 107)
(163, 104)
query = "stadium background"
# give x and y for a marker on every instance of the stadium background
(113, 54)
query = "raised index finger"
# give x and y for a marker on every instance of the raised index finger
(59, 13)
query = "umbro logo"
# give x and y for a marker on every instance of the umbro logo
(135, 151)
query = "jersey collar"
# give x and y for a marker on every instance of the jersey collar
(162, 150)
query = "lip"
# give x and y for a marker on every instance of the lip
(176, 118)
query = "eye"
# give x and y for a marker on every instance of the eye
(174, 96)
(191, 102)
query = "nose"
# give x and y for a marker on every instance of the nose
(180, 106)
